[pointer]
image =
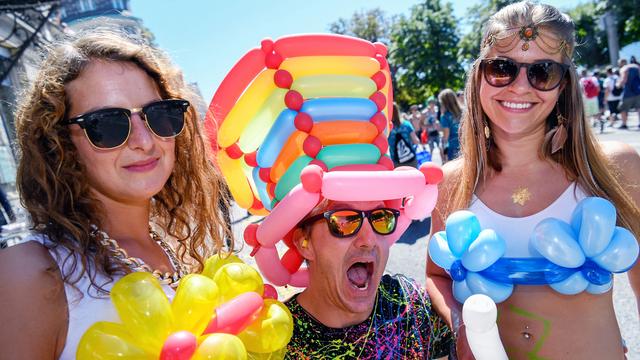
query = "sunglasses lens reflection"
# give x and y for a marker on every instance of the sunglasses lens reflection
(107, 129)
(383, 221)
(345, 222)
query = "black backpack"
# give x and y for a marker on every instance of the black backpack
(404, 151)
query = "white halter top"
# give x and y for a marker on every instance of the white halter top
(516, 231)
(86, 305)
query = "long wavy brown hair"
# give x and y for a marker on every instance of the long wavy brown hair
(581, 157)
(53, 183)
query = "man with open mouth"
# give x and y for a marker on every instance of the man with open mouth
(350, 309)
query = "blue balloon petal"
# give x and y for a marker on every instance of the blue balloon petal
(439, 250)
(496, 291)
(462, 228)
(461, 291)
(484, 251)
(594, 219)
(574, 284)
(621, 253)
(555, 240)
(599, 289)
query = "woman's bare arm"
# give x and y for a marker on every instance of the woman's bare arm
(33, 304)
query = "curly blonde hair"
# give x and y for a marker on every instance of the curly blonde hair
(53, 183)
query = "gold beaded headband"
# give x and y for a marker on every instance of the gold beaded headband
(506, 40)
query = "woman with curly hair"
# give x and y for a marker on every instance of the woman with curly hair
(528, 154)
(115, 174)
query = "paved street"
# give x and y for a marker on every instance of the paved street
(408, 255)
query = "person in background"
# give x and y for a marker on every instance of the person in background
(450, 122)
(590, 92)
(630, 82)
(417, 120)
(6, 211)
(613, 95)
(115, 174)
(432, 126)
(402, 141)
(528, 154)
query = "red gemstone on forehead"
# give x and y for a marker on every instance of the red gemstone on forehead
(528, 32)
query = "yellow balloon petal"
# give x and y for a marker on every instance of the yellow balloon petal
(106, 340)
(237, 278)
(220, 347)
(144, 309)
(215, 262)
(271, 331)
(194, 303)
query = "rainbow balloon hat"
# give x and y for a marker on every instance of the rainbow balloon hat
(304, 118)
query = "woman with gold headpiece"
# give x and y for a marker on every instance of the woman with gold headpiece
(114, 174)
(527, 153)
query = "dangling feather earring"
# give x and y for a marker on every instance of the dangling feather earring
(559, 136)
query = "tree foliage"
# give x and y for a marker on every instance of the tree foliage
(591, 39)
(477, 16)
(424, 52)
(627, 13)
(371, 25)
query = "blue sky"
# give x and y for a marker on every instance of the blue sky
(206, 37)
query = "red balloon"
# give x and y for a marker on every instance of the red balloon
(257, 204)
(293, 100)
(292, 260)
(265, 174)
(432, 173)
(234, 151)
(273, 60)
(271, 189)
(250, 159)
(381, 143)
(386, 162)
(283, 79)
(379, 79)
(250, 235)
(270, 292)
(380, 121)
(383, 62)
(311, 178)
(267, 46)
(380, 48)
(311, 146)
(380, 100)
(303, 122)
(180, 345)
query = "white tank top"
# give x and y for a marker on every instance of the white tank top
(516, 231)
(86, 305)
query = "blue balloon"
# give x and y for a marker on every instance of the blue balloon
(594, 220)
(462, 228)
(461, 291)
(526, 271)
(599, 289)
(621, 253)
(574, 284)
(555, 240)
(331, 109)
(282, 128)
(484, 251)
(261, 187)
(496, 291)
(439, 250)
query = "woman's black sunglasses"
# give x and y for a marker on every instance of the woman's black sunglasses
(110, 128)
(347, 222)
(543, 75)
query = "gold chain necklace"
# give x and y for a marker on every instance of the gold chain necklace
(137, 265)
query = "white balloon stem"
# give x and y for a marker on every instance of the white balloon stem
(479, 314)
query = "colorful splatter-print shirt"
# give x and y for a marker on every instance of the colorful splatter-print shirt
(402, 325)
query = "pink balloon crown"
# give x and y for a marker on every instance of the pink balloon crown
(304, 118)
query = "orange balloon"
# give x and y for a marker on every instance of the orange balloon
(351, 131)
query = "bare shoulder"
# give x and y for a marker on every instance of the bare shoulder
(451, 172)
(625, 159)
(33, 303)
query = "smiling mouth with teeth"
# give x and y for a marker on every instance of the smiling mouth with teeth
(516, 105)
(359, 275)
